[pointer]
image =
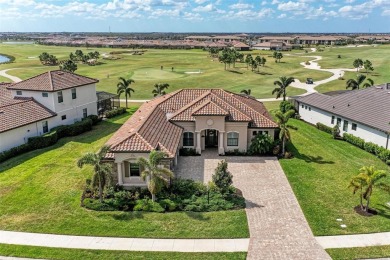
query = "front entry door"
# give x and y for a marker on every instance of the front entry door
(211, 138)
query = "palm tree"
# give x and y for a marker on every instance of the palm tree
(355, 84)
(368, 84)
(155, 175)
(282, 119)
(159, 89)
(282, 85)
(102, 171)
(369, 178)
(123, 86)
(246, 91)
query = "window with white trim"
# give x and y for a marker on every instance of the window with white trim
(188, 139)
(232, 139)
(45, 94)
(19, 92)
(85, 114)
(354, 126)
(74, 95)
(345, 126)
(60, 97)
(45, 127)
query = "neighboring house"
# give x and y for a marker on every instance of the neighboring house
(363, 113)
(35, 105)
(189, 118)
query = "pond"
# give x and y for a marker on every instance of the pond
(3, 59)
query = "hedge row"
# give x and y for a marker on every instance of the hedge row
(48, 139)
(115, 112)
(324, 128)
(379, 151)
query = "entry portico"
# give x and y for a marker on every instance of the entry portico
(196, 119)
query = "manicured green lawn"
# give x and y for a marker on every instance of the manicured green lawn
(379, 56)
(71, 254)
(40, 192)
(146, 70)
(359, 252)
(319, 175)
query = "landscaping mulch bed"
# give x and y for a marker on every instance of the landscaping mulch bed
(362, 212)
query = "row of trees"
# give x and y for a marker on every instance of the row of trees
(79, 56)
(277, 55)
(230, 56)
(359, 64)
(255, 62)
(48, 59)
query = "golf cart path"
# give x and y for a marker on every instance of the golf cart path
(4, 74)
(310, 88)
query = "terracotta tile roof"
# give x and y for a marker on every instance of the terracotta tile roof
(53, 81)
(368, 106)
(149, 128)
(209, 108)
(23, 112)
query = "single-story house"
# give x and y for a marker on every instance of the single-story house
(363, 113)
(189, 118)
(35, 105)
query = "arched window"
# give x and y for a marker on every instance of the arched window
(188, 139)
(232, 139)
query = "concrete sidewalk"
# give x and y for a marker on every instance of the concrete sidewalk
(359, 240)
(125, 244)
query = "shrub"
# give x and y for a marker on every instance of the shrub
(261, 144)
(359, 142)
(336, 132)
(235, 152)
(185, 188)
(188, 152)
(74, 129)
(285, 106)
(384, 155)
(370, 147)
(222, 178)
(125, 200)
(148, 205)
(168, 205)
(14, 152)
(324, 128)
(43, 141)
(115, 112)
(95, 119)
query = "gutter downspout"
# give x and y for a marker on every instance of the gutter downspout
(387, 141)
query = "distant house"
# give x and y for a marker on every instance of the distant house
(35, 105)
(273, 45)
(198, 119)
(363, 113)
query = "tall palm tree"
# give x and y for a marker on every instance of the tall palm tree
(369, 178)
(355, 84)
(282, 119)
(102, 171)
(159, 89)
(282, 85)
(155, 175)
(246, 91)
(123, 86)
(368, 84)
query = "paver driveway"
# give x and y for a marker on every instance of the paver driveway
(278, 228)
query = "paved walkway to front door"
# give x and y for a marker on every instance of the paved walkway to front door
(278, 228)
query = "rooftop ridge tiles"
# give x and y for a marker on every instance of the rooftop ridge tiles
(250, 108)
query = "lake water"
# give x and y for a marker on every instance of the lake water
(18, 42)
(3, 59)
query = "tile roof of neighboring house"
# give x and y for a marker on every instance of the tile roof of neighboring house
(22, 112)
(53, 81)
(368, 106)
(149, 128)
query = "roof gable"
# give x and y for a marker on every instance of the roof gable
(53, 81)
(209, 108)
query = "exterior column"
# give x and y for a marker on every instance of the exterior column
(221, 149)
(120, 175)
(198, 147)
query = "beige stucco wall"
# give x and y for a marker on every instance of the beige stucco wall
(242, 129)
(271, 132)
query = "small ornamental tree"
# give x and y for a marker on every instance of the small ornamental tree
(222, 178)
(261, 144)
(336, 131)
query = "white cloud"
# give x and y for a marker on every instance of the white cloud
(349, 1)
(199, 2)
(291, 6)
(264, 3)
(206, 8)
(282, 16)
(240, 6)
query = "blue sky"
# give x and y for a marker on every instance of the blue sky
(195, 16)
